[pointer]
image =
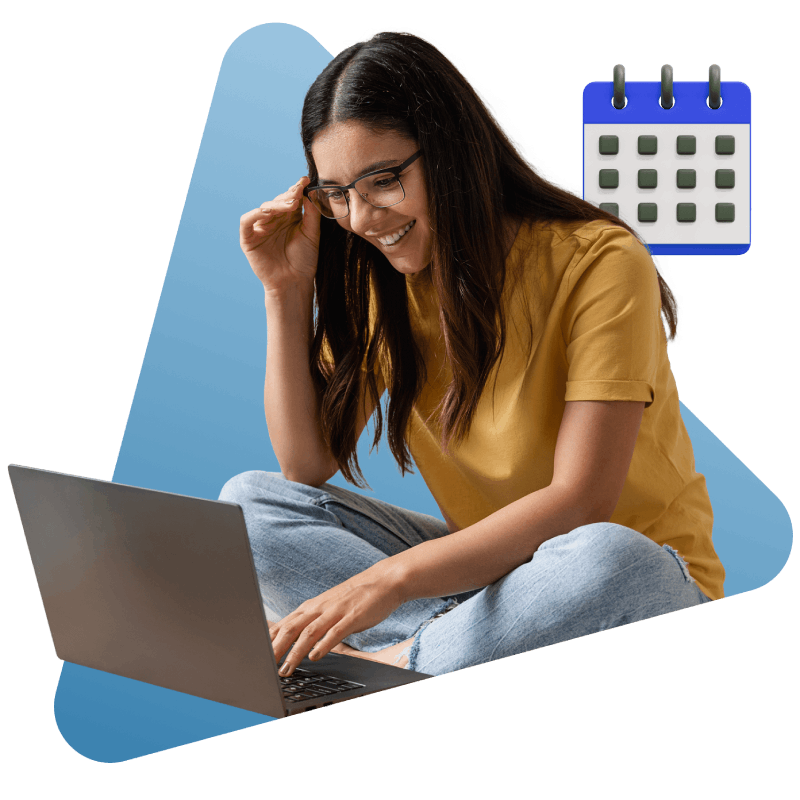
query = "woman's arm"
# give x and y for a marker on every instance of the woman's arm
(451, 526)
(483, 553)
(592, 457)
(291, 404)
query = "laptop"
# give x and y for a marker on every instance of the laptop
(161, 588)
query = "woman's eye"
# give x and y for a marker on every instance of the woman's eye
(386, 182)
(334, 195)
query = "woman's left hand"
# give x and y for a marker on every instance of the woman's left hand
(324, 621)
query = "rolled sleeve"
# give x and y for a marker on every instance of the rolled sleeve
(612, 321)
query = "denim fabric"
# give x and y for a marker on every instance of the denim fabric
(306, 540)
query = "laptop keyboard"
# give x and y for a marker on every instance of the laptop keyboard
(305, 685)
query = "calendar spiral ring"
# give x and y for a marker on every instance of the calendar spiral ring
(619, 86)
(667, 97)
(714, 100)
(667, 100)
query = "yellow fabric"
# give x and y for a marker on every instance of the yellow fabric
(591, 292)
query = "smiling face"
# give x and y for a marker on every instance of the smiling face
(344, 152)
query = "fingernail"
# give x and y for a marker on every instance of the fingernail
(289, 202)
(284, 670)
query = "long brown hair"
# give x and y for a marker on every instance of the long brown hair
(476, 182)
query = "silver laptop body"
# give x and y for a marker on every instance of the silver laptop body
(162, 588)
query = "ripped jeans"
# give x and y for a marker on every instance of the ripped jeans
(306, 540)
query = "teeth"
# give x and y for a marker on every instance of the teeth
(395, 237)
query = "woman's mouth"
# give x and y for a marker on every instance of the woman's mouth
(394, 238)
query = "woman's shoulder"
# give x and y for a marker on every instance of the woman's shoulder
(557, 232)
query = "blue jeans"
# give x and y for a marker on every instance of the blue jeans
(306, 540)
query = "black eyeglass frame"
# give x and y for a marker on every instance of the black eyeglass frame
(392, 170)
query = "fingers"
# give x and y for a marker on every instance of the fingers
(303, 637)
(288, 201)
(292, 198)
(296, 641)
(284, 203)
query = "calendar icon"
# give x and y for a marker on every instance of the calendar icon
(672, 160)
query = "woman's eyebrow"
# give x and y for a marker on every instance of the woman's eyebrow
(393, 162)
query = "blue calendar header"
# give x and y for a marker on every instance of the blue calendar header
(643, 107)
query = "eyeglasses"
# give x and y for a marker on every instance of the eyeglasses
(380, 189)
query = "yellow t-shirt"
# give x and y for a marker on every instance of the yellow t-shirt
(592, 295)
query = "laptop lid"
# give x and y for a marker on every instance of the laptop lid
(150, 585)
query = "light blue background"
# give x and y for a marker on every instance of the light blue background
(197, 416)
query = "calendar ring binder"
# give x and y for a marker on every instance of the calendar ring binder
(714, 98)
(667, 98)
(619, 86)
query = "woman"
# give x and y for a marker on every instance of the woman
(517, 330)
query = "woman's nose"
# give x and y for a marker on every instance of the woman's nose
(362, 213)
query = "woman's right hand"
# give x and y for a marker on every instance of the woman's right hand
(281, 239)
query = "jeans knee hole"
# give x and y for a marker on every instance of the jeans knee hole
(681, 562)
